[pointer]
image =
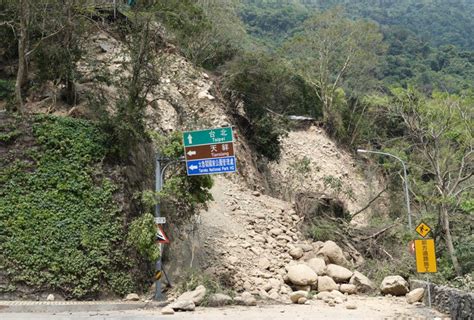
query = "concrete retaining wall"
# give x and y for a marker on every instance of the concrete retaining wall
(459, 304)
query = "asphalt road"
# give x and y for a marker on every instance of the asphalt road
(367, 309)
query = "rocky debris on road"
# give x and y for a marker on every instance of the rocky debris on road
(263, 252)
(362, 283)
(245, 299)
(295, 296)
(351, 306)
(219, 300)
(196, 296)
(415, 295)
(394, 285)
(326, 283)
(182, 305)
(338, 273)
(332, 253)
(302, 275)
(318, 265)
(167, 310)
(132, 297)
(348, 288)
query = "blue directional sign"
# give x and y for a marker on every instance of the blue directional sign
(211, 166)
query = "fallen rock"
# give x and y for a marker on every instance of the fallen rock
(394, 285)
(325, 295)
(167, 310)
(318, 265)
(337, 294)
(333, 253)
(348, 288)
(302, 300)
(245, 299)
(264, 263)
(351, 306)
(183, 305)
(326, 283)
(132, 297)
(196, 296)
(219, 300)
(415, 295)
(338, 273)
(295, 296)
(362, 283)
(296, 253)
(301, 274)
(50, 297)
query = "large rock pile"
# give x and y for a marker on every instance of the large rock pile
(263, 252)
(323, 274)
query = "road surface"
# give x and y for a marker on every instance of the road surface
(368, 308)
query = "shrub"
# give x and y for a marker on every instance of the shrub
(60, 228)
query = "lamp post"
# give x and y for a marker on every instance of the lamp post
(407, 197)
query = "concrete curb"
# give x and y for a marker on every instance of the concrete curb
(74, 306)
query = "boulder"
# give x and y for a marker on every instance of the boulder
(245, 299)
(318, 265)
(182, 305)
(167, 310)
(333, 253)
(264, 263)
(275, 231)
(326, 283)
(305, 246)
(394, 285)
(301, 274)
(337, 294)
(351, 306)
(219, 300)
(295, 296)
(348, 288)
(302, 300)
(338, 273)
(196, 296)
(50, 297)
(362, 283)
(132, 297)
(296, 253)
(415, 295)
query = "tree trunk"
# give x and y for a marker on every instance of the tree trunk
(449, 241)
(21, 75)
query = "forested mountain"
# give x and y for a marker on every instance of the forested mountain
(430, 43)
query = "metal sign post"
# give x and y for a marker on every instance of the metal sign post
(159, 178)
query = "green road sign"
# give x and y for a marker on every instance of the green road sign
(209, 136)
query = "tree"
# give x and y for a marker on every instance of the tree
(439, 134)
(45, 24)
(334, 52)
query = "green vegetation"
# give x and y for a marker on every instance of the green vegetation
(60, 227)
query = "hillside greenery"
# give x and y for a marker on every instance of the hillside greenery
(60, 227)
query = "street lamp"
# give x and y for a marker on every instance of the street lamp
(407, 197)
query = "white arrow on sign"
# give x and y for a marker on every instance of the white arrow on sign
(190, 139)
(193, 167)
(192, 153)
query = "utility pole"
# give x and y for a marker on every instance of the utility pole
(159, 180)
(405, 178)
